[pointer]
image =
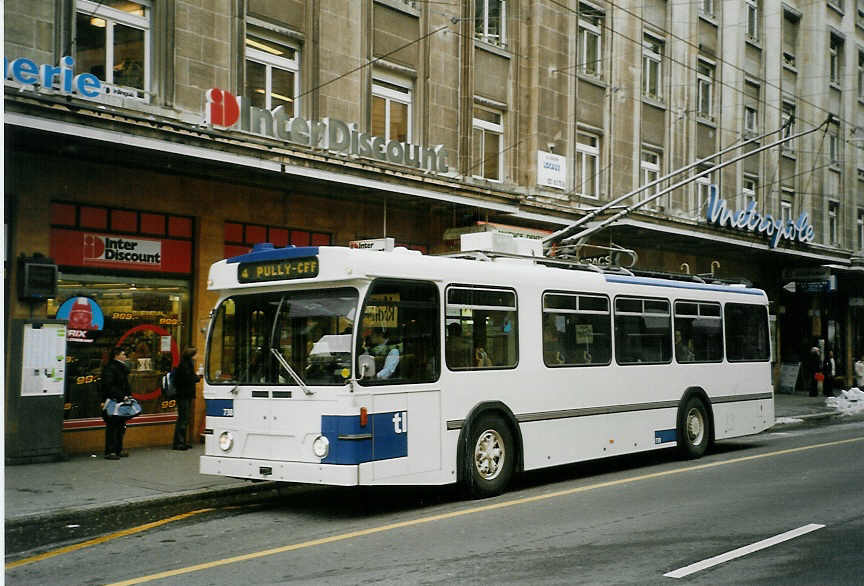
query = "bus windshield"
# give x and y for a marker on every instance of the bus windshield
(311, 330)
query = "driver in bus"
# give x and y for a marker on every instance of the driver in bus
(381, 348)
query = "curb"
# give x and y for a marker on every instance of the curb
(75, 524)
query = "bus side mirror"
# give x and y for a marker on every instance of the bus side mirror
(365, 365)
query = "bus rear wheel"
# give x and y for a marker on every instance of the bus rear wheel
(492, 454)
(694, 429)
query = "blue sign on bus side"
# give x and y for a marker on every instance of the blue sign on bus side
(387, 437)
(220, 407)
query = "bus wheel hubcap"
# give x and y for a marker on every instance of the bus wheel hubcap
(695, 427)
(489, 454)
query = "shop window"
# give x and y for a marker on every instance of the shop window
(391, 109)
(272, 72)
(112, 41)
(148, 317)
(68, 215)
(481, 328)
(577, 330)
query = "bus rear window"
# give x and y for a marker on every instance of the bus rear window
(746, 333)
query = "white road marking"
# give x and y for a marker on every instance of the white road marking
(742, 551)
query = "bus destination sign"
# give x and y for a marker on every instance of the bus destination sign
(277, 270)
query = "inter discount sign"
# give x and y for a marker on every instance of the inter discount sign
(107, 249)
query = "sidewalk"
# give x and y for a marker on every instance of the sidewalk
(87, 494)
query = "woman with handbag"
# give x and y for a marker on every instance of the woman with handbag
(185, 380)
(115, 386)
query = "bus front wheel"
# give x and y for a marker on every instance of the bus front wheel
(694, 432)
(492, 457)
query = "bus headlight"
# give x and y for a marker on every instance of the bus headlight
(321, 446)
(226, 440)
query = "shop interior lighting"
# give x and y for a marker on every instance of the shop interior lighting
(98, 22)
(268, 48)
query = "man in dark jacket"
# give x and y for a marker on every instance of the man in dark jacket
(185, 379)
(115, 385)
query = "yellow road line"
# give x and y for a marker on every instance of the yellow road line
(471, 511)
(103, 539)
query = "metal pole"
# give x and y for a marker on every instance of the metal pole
(587, 232)
(568, 230)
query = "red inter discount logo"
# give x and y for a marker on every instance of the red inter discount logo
(222, 108)
(94, 247)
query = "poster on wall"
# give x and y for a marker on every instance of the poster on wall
(85, 317)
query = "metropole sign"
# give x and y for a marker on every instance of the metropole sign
(224, 110)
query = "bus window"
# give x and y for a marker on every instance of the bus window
(698, 332)
(576, 330)
(400, 330)
(481, 328)
(746, 333)
(643, 331)
(310, 329)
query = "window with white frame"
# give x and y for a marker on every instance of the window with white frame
(706, 7)
(590, 52)
(788, 112)
(833, 216)
(749, 190)
(751, 119)
(391, 109)
(835, 53)
(751, 26)
(652, 67)
(787, 204)
(112, 41)
(272, 72)
(705, 89)
(487, 160)
(861, 75)
(702, 189)
(652, 161)
(587, 164)
(859, 229)
(490, 21)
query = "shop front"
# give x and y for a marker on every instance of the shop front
(124, 281)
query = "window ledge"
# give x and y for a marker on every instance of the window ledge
(861, 100)
(709, 18)
(400, 6)
(788, 154)
(496, 49)
(790, 68)
(755, 43)
(654, 101)
(597, 80)
(835, 86)
(836, 9)
(710, 122)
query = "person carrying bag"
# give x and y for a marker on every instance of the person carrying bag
(184, 380)
(119, 405)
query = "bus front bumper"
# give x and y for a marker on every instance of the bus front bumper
(305, 472)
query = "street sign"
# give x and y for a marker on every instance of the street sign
(811, 286)
(789, 287)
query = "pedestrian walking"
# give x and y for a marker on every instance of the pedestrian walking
(115, 385)
(829, 369)
(185, 379)
(814, 362)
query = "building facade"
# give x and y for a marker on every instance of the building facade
(146, 139)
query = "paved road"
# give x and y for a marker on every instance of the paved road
(625, 521)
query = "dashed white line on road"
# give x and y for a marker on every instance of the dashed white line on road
(742, 551)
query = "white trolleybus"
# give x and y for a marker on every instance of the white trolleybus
(342, 366)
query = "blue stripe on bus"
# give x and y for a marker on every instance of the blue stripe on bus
(219, 407)
(681, 284)
(664, 436)
(275, 254)
(384, 437)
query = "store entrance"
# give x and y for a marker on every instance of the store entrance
(147, 316)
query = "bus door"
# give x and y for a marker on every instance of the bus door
(400, 330)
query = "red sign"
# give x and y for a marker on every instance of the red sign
(88, 249)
